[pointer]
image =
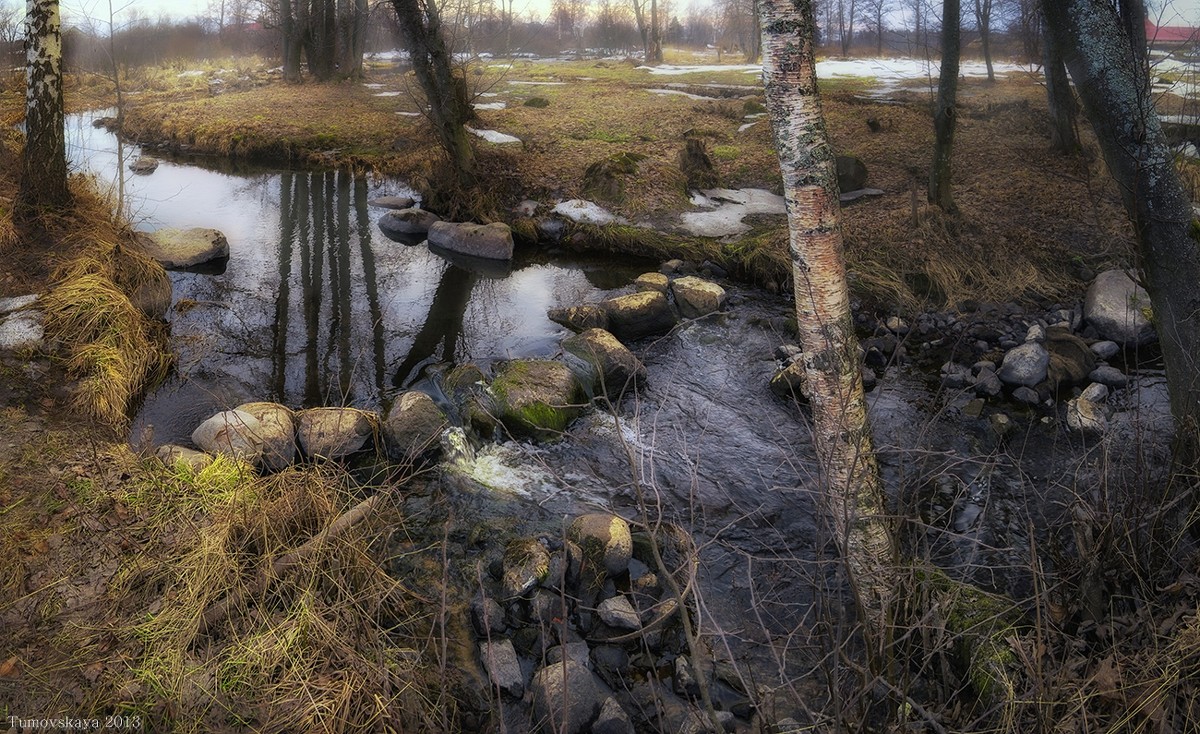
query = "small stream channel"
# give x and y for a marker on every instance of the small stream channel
(316, 307)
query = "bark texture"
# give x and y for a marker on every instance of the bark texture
(44, 164)
(945, 117)
(1108, 69)
(1064, 138)
(853, 494)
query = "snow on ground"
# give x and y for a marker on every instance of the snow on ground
(727, 209)
(386, 94)
(679, 93)
(493, 136)
(586, 212)
(489, 105)
(538, 84)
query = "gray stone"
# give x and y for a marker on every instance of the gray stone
(1036, 333)
(526, 562)
(277, 429)
(487, 616)
(652, 282)
(612, 719)
(789, 381)
(1105, 349)
(697, 297)
(1109, 376)
(391, 202)
(181, 248)
(566, 697)
(503, 668)
(617, 612)
(579, 318)
(537, 397)
(1026, 395)
(333, 433)
(1025, 364)
(170, 454)
(638, 315)
(491, 241)
(1118, 309)
(401, 222)
(144, 165)
(1086, 417)
(578, 652)
(615, 369)
(412, 427)
(232, 432)
(1095, 392)
(22, 330)
(605, 541)
(851, 174)
(987, 384)
(671, 267)
(1001, 424)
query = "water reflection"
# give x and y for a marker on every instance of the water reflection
(316, 306)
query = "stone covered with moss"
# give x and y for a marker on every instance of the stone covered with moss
(537, 397)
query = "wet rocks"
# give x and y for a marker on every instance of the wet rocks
(639, 315)
(181, 248)
(617, 612)
(652, 282)
(696, 297)
(537, 397)
(1070, 358)
(1026, 365)
(232, 432)
(567, 697)
(788, 383)
(1118, 309)
(1108, 376)
(144, 165)
(526, 562)
(605, 540)
(407, 222)
(490, 241)
(612, 719)
(277, 431)
(579, 318)
(612, 367)
(1086, 416)
(412, 427)
(391, 202)
(333, 433)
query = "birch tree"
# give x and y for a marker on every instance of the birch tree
(44, 164)
(852, 491)
(1103, 47)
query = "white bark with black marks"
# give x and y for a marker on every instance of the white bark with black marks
(44, 170)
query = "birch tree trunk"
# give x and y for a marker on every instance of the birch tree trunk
(1109, 73)
(44, 164)
(853, 495)
(945, 115)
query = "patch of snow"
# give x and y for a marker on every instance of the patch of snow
(538, 84)
(680, 93)
(386, 94)
(8, 305)
(489, 94)
(746, 126)
(409, 114)
(731, 206)
(676, 69)
(489, 105)
(190, 74)
(21, 330)
(493, 136)
(393, 55)
(374, 85)
(586, 212)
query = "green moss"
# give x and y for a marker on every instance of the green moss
(537, 397)
(725, 152)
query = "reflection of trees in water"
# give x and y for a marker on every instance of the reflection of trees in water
(443, 324)
(316, 228)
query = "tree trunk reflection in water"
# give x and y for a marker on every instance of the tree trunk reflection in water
(363, 220)
(443, 324)
(279, 328)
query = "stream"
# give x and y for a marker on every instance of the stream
(316, 307)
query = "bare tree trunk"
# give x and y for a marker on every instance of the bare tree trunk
(1108, 68)
(944, 115)
(853, 495)
(1064, 138)
(639, 15)
(291, 42)
(983, 18)
(44, 164)
(449, 107)
(754, 47)
(656, 50)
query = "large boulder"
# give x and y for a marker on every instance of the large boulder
(232, 432)
(1026, 364)
(697, 297)
(851, 173)
(1119, 309)
(579, 318)
(332, 433)
(407, 222)
(182, 248)
(491, 241)
(612, 367)
(605, 540)
(566, 697)
(144, 165)
(277, 429)
(638, 315)
(1071, 360)
(537, 397)
(412, 427)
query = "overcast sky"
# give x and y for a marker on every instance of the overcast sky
(1179, 11)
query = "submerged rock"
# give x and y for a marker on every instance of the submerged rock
(181, 248)
(144, 165)
(233, 432)
(613, 368)
(639, 315)
(697, 297)
(413, 427)
(333, 433)
(537, 397)
(491, 241)
(579, 318)
(1118, 308)
(277, 429)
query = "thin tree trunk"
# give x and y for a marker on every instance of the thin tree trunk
(1064, 138)
(944, 115)
(44, 163)
(853, 495)
(983, 16)
(1109, 73)
(656, 50)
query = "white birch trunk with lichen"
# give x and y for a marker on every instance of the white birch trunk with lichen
(852, 490)
(44, 174)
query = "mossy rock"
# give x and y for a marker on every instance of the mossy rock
(537, 102)
(753, 107)
(467, 388)
(610, 366)
(537, 397)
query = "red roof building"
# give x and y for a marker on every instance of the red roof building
(1171, 35)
